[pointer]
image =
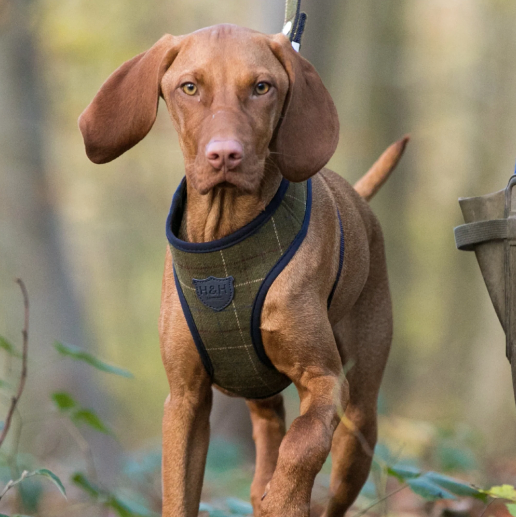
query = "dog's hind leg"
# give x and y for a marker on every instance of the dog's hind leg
(353, 443)
(268, 418)
(364, 339)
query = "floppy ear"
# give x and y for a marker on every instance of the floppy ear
(308, 131)
(125, 107)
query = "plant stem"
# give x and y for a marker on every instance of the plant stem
(378, 501)
(23, 376)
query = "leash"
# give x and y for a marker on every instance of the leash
(295, 23)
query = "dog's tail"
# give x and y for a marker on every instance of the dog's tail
(369, 184)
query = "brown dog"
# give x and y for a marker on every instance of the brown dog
(249, 111)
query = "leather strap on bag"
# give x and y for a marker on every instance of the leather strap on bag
(467, 236)
(510, 275)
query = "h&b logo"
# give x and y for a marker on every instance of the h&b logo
(215, 293)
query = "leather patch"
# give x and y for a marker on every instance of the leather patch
(215, 293)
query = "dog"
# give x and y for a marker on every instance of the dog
(252, 115)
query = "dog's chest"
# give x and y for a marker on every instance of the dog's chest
(222, 286)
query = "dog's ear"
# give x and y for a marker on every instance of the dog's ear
(125, 107)
(308, 131)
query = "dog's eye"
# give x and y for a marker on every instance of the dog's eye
(189, 88)
(262, 88)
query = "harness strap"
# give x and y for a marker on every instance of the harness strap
(471, 234)
(341, 260)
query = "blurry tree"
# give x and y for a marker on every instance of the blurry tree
(31, 244)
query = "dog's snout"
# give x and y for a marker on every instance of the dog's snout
(226, 154)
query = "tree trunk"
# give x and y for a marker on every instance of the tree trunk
(30, 243)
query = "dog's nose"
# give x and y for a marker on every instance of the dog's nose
(224, 153)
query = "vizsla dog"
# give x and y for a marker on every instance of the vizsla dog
(251, 113)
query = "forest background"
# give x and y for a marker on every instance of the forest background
(89, 240)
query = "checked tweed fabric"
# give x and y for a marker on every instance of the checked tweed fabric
(226, 334)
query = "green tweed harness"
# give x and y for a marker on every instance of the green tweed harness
(222, 286)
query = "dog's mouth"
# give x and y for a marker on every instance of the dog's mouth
(220, 179)
(205, 181)
(227, 185)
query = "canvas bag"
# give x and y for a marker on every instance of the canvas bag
(490, 231)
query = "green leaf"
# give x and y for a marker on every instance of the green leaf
(79, 354)
(50, 475)
(239, 507)
(452, 458)
(83, 482)
(455, 486)
(64, 401)
(88, 417)
(78, 415)
(502, 492)
(126, 507)
(122, 506)
(428, 490)
(403, 473)
(8, 347)
(512, 509)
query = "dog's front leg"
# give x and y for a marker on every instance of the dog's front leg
(186, 434)
(305, 447)
(186, 428)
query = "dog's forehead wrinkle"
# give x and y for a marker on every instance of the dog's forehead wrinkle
(222, 43)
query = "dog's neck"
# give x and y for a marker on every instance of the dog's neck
(224, 209)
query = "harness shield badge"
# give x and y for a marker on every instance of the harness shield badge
(215, 293)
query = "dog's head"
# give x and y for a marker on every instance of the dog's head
(236, 97)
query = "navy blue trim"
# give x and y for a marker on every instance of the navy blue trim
(205, 358)
(256, 333)
(341, 260)
(175, 217)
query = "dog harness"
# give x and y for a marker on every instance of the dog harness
(222, 286)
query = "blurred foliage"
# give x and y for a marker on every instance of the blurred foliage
(440, 71)
(137, 489)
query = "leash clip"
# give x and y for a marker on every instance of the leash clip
(295, 23)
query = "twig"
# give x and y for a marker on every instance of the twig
(23, 376)
(378, 501)
(487, 506)
(358, 435)
(12, 483)
(84, 447)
